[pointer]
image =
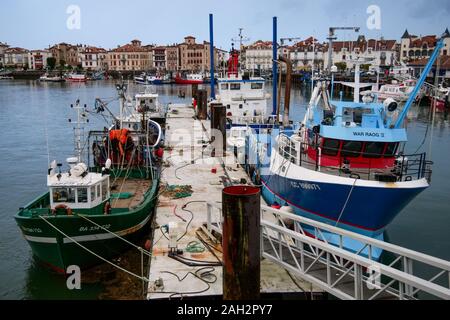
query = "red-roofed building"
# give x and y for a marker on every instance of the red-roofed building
(444, 67)
(195, 57)
(172, 58)
(383, 52)
(38, 59)
(66, 54)
(306, 52)
(131, 57)
(159, 58)
(93, 58)
(258, 56)
(16, 58)
(417, 48)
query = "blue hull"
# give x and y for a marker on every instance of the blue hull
(368, 211)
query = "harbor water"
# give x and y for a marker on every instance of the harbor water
(35, 117)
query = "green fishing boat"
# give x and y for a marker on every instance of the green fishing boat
(88, 207)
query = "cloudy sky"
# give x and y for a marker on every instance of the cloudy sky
(107, 23)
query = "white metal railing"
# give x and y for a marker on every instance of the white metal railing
(332, 267)
(338, 271)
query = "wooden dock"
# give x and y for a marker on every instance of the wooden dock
(190, 179)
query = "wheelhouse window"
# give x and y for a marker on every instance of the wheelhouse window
(224, 86)
(93, 193)
(82, 195)
(257, 86)
(391, 150)
(373, 150)
(330, 147)
(66, 195)
(104, 190)
(351, 149)
(235, 86)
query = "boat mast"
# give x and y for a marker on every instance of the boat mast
(78, 130)
(121, 89)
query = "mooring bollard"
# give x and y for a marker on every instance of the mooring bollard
(241, 206)
(218, 124)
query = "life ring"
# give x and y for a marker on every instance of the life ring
(107, 209)
(63, 206)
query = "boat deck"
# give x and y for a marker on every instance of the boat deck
(189, 181)
(136, 188)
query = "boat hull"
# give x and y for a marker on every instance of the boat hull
(364, 207)
(185, 81)
(59, 251)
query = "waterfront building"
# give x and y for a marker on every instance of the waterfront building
(305, 53)
(131, 57)
(383, 52)
(195, 57)
(172, 58)
(258, 56)
(417, 67)
(66, 54)
(16, 58)
(93, 58)
(38, 59)
(3, 47)
(421, 47)
(159, 58)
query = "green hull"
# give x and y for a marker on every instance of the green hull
(60, 251)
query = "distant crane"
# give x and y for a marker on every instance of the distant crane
(331, 37)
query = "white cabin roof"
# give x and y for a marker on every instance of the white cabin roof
(67, 180)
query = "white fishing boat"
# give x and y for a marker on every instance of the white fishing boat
(398, 91)
(243, 96)
(75, 77)
(48, 78)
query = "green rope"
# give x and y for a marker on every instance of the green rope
(195, 247)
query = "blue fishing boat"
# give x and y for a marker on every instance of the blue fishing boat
(342, 165)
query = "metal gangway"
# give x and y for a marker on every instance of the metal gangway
(406, 275)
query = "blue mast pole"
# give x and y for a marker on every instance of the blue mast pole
(211, 55)
(274, 66)
(422, 79)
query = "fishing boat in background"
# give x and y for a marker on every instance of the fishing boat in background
(343, 165)
(244, 97)
(398, 91)
(189, 79)
(156, 80)
(110, 192)
(441, 99)
(48, 78)
(141, 79)
(76, 77)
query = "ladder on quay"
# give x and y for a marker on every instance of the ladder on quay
(409, 275)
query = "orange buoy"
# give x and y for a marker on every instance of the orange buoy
(148, 245)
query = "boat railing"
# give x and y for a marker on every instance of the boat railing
(403, 169)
